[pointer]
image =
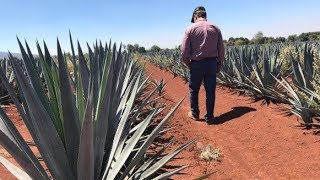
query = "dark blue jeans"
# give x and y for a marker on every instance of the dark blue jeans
(205, 71)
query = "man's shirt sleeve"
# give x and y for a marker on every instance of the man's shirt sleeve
(186, 47)
(220, 48)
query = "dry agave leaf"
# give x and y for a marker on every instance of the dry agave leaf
(209, 153)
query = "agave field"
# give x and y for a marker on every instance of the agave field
(288, 74)
(90, 118)
(96, 115)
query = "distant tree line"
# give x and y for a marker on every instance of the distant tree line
(140, 49)
(259, 38)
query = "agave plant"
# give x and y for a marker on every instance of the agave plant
(84, 128)
(261, 82)
(301, 92)
(7, 69)
(279, 73)
(160, 85)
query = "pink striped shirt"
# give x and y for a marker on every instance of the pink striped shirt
(201, 40)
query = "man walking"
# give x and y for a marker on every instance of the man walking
(202, 50)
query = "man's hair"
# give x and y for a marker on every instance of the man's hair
(201, 14)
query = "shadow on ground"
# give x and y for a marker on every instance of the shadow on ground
(233, 114)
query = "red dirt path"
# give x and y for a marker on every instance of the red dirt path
(12, 113)
(257, 142)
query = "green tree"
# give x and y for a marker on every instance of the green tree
(292, 38)
(258, 35)
(314, 37)
(258, 38)
(130, 48)
(155, 48)
(270, 40)
(141, 49)
(136, 47)
(303, 37)
(241, 41)
(280, 39)
(231, 41)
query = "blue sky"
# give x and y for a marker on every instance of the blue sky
(147, 22)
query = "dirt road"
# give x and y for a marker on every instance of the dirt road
(256, 141)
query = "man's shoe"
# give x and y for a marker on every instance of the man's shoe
(210, 121)
(193, 116)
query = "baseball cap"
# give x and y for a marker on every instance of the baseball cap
(199, 8)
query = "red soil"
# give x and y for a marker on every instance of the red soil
(12, 113)
(256, 141)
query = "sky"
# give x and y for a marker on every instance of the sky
(147, 22)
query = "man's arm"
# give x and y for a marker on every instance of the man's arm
(220, 51)
(186, 48)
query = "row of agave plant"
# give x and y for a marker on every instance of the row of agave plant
(93, 123)
(7, 69)
(278, 73)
